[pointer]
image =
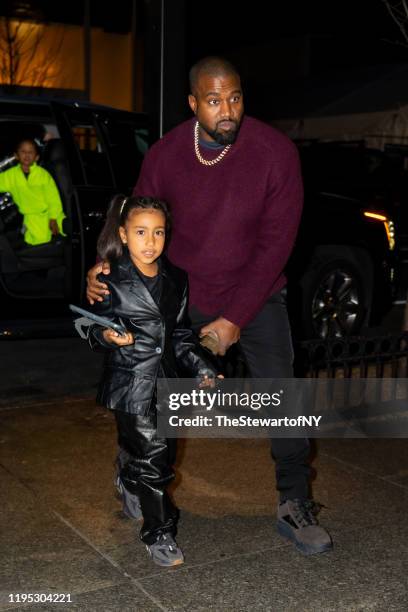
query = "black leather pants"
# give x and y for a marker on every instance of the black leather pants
(148, 472)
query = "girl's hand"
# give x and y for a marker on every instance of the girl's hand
(110, 335)
(54, 227)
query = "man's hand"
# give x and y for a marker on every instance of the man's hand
(209, 381)
(228, 333)
(54, 227)
(96, 290)
(113, 337)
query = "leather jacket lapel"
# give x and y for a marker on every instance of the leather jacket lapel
(139, 288)
(168, 297)
(136, 286)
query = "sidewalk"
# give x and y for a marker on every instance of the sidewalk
(61, 529)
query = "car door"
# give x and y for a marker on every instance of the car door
(127, 138)
(93, 179)
(34, 279)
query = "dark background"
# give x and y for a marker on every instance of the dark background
(280, 48)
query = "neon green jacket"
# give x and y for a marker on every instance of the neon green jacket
(37, 199)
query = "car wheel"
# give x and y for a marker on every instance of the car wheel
(336, 298)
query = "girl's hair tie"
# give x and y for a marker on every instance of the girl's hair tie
(122, 207)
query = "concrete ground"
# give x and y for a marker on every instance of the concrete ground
(62, 531)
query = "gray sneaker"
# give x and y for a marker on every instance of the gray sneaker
(297, 521)
(165, 551)
(131, 505)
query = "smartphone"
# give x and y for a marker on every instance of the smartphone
(94, 318)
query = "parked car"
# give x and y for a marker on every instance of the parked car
(340, 274)
(93, 152)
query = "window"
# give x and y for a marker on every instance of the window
(93, 156)
(127, 143)
(14, 131)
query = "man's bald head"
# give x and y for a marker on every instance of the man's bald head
(211, 66)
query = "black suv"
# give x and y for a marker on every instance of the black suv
(93, 152)
(342, 271)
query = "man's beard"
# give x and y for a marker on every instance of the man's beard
(223, 138)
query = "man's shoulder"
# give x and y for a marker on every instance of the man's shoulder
(175, 137)
(267, 138)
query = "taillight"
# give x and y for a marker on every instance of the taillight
(388, 224)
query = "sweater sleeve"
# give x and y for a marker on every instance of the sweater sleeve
(96, 339)
(276, 236)
(53, 200)
(4, 181)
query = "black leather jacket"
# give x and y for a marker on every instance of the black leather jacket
(162, 344)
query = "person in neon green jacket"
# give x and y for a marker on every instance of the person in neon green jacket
(35, 194)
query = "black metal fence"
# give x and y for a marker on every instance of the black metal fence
(352, 357)
(357, 356)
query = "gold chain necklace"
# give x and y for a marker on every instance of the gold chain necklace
(207, 162)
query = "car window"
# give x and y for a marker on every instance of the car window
(93, 155)
(14, 131)
(127, 143)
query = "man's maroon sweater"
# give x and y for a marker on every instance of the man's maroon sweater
(234, 223)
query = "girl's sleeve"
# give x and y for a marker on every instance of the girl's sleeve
(187, 349)
(53, 199)
(95, 336)
(4, 181)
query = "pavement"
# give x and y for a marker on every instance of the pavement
(62, 530)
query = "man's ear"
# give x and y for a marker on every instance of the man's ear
(192, 100)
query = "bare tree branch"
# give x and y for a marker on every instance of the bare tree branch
(29, 54)
(20, 49)
(399, 14)
(397, 43)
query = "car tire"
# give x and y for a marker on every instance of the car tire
(336, 293)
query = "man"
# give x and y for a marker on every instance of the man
(235, 190)
(35, 194)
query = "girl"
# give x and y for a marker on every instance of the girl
(148, 296)
(35, 193)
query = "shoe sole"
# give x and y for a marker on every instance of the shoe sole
(164, 564)
(174, 564)
(286, 531)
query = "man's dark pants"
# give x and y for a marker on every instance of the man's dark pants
(267, 347)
